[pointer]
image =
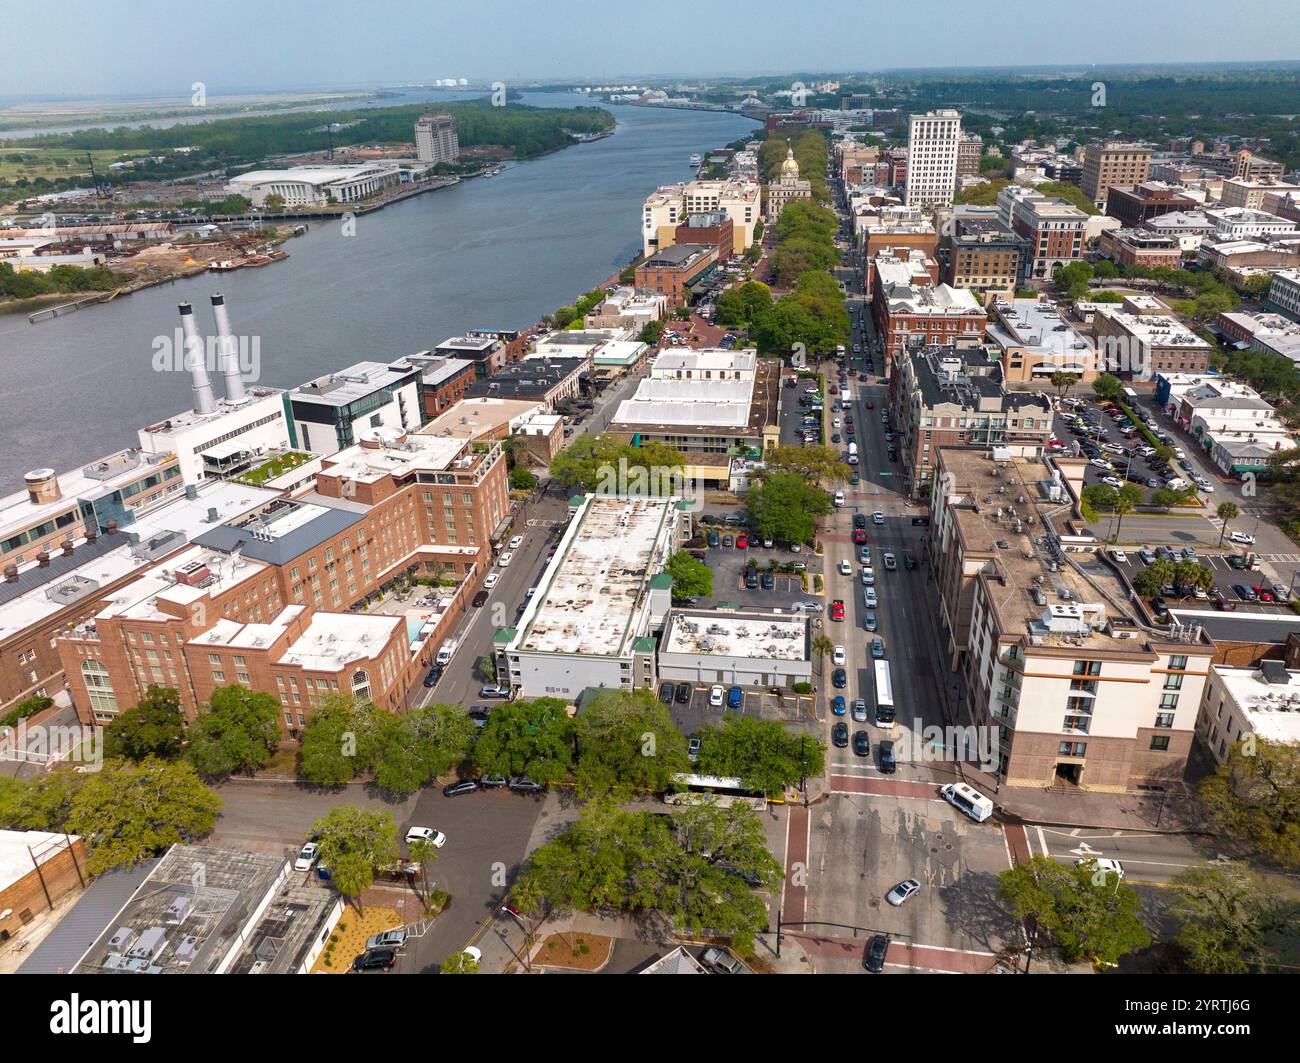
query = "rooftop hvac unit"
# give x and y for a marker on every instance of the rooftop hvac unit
(123, 938)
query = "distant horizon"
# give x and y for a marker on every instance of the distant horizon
(86, 50)
(479, 87)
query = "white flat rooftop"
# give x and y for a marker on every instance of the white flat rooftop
(16, 856)
(713, 359)
(332, 640)
(142, 599)
(720, 403)
(259, 398)
(768, 638)
(1273, 709)
(594, 585)
(348, 385)
(187, 516)
(367, 464)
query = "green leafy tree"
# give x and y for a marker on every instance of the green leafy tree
(532, 738)
(652, 332)
(522, 479)
(414, 748)
(352, 843)
(459, 963)
(817, 464)
(338, 742)
(154, 728)
(593, 461)
(627, 740)
(1254, 797)
(238, 732)
(1227, 511)
(1089, 915)
(128, 812)
(784, 507)
(1149, 581)
(761, 753)
(1063, 382)
(691, 578)
(1231, 919)
(1107, 387)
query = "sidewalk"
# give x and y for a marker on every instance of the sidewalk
(1170, 813)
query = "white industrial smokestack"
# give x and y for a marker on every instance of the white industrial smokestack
(227, 351)
(204, 399)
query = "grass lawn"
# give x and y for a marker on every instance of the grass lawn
(275, 467)
(52, 162)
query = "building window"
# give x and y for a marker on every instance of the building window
(360, 684)
(1160, 743)
(1087, 667)
(1164, 719)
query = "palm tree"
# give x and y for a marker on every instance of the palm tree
(822, 645)
(1126, 500)
(1062, 382)
(423, 852)
(1227, 511)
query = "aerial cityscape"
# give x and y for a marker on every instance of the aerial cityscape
(821, 505)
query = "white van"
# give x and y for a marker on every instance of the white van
(845, 396)
(970, 801)
(853, 450)
(447, 651)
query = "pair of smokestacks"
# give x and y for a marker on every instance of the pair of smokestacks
(205, 400)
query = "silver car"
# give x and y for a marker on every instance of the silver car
(903, 892)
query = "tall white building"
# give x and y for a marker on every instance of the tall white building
(436, 139)
(932, 140)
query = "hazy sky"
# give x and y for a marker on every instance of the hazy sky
(122, 47)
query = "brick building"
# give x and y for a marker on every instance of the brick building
(673, 271)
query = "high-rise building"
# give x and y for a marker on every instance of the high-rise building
(1113, 163)
(970, 148)
(932, 158)
(436, 139)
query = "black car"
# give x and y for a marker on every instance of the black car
(909, 562)
(683, 694)
(435, 673)
(522, 784)
(840, 735)
(479, 714)
(861, 744)
(463, 786)
(751, 579)
(375, 960)
(480, 599)
(666, 693)
(886, 750)
(859, 520)
(767, 579)
(839, 679)
(874, 958)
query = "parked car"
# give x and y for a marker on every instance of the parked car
(493, 690)
(735, 697)
(693, 749)
(683, 694)
(716, 694)
(877, 649)
(837, 609)
(522, 784)
(306, 857)
(666, 693)
(859, 710)
(389, 939)
(1243, 592)
(840, 735)
(838, 705)
(375, 960)
(426, 834)
(861, 744)
(839, 679)
(869, 621)
(886, 751)
(515, 542)
(460, 787)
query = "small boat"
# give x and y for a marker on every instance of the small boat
(696, 160)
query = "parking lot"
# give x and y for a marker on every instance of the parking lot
(1226, 577)
(786, 707)
(863, 845)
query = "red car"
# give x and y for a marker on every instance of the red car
(870, 405)
(837, 609)
(1263, 593)
(859, 536)
(742, 542)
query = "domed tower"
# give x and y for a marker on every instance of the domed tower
(789, 168)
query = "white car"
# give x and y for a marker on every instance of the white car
(505, 559)
(715, 697)
(868, 577)
(839, 498)
(837, 655)
(1104, 865)
(869, 596)
(1241, 537)
(1112, 481)
(426, 834)
(846, 569)
(877, 517)
(1119, 557)
(491, 580)
(515, 543)
(1101, 463)
(306, 857)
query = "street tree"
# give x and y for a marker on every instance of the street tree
(1254, 797)
(459, 963)
(1226, 511)
(1127, 499)
(818, 464)
(353, 842)
(761, 753)
(423, 852)
(627, 740)
(414, 748)
(532, 738)
(1232, 920)
(338, 742)
(784, 507)
(236, 733)
(128, 812)
(1088, 916)
(1062, 382)
(154, 728)
(1156, 575)
(822, 645)
(691, 577)
(1107, 387)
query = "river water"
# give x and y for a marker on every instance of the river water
(490, 252)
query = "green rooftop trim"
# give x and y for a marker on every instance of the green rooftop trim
(661, 582)
(683, 504)
(645, 644)
(576, 500)
(503, 636)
